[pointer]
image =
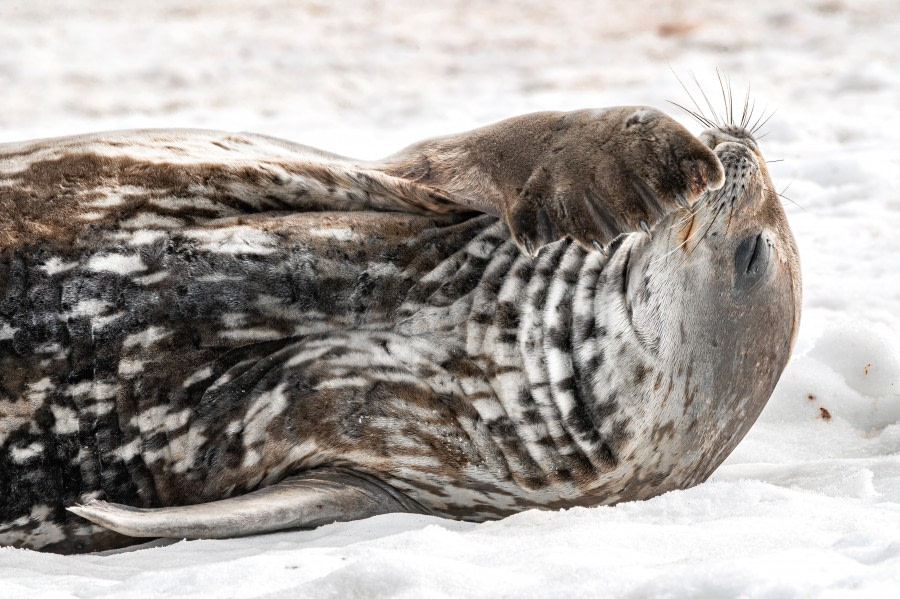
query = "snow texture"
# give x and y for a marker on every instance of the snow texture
(807, 506)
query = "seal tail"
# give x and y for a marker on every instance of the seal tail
(303, 501)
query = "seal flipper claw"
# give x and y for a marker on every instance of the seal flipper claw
(303, 501)
(599, 247)
(646, 229)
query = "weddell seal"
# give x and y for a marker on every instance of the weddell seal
(207, 334)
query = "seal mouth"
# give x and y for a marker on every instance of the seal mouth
(689, 229)
(754, 260)
(751, 260)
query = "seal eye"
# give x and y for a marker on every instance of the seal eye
(751, 260)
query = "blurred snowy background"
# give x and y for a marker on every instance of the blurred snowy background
(808, 505)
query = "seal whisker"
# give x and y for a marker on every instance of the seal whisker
(672, 251)
(700, 119)
(761, 125)
(705, 199)
(780, 194)
(690, 214)
(750, 114)
(727, 97)
(680, 223)
(744, 115)
(730, 101)
(762, 115)
(786, 187)
(712, 221)
(707, 121)
(708, 103)
(683, 220)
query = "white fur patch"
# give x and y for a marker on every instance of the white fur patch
(265, 408)
(150, 279)
(91, 307)
(92, 389)
(234, 240)
(488, 408)
(338, 383)
(121, 264)
(20, 455)
(130, 368)
(37, 391)
(200, 375)
(55, 265)
(159, 418)
(66, 420)
(252, 334)
(306, 355)
(146, 220)
(339, 234)
(129, 450)
(183, 449)
(147, 337)
(98, 322)
(113, 198)
(49, 348)
(100, 408)
(6, 331)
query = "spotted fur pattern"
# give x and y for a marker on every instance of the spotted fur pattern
(188, 316)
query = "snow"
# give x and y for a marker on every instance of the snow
(807, 505)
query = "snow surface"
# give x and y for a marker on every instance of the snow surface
(808, 505)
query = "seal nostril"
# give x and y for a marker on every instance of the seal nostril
(751, 259)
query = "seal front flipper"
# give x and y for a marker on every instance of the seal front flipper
(589, 174)
(306, 500)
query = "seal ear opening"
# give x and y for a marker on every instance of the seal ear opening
(303, 501)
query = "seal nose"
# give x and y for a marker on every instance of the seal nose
(741, 168)
(733, 152)
(751, 260)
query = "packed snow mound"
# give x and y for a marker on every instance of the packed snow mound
(866, 361)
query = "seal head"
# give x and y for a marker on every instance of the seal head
(715, 297)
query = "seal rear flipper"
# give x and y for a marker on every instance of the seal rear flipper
(307, 500)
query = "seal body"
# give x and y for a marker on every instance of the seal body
(176, 334)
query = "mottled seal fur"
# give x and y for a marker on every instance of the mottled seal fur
(207, 334)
